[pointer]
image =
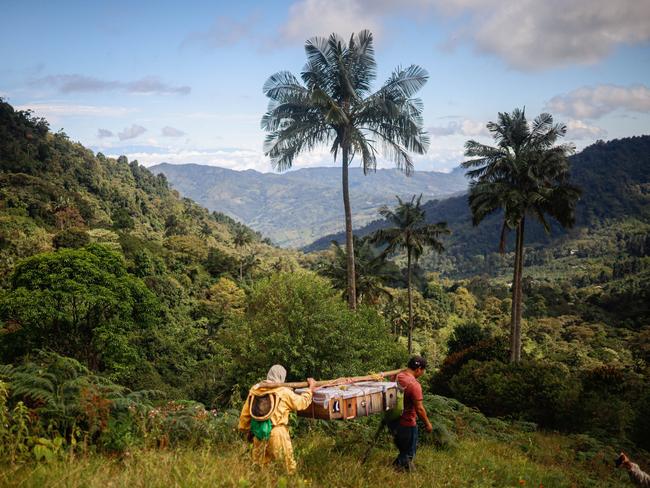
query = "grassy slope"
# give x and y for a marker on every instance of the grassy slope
(534, 460)
(467, 449)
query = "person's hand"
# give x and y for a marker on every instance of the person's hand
(623, 461)
(311, 382)
(428, 427)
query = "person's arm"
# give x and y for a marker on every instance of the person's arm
(637, 475)
(422, 414)
(245, 416)
(302, 401)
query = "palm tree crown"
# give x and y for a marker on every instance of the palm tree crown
(335, 106)
(525, 173)
(410, 232)
(372, 270)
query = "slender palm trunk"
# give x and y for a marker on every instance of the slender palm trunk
(349, 247)
(520, 291)
(515, 302)
(410, 297)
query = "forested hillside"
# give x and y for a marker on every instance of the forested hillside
(102, 261)
(296, 207)
(615, 181)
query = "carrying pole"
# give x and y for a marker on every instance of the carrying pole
(339, 381)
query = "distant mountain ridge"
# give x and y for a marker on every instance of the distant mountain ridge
(615, 181)
(297, 207)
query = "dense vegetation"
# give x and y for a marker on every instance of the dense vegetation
(132, 322)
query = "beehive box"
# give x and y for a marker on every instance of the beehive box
(347, 402)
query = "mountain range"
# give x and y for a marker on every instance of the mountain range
(615, 180)
(297, 207)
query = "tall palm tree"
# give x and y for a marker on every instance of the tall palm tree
(335, 107)
(524, 175)
(412, 234)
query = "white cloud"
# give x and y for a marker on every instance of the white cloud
(438, 158)
(592, 102)
(103, 133)
(54, 110)
(239, 159)
(527, 34)
(131, 132)
(172, 132)
(76, 83)
(534, 35)
(465, 128)
(309, 18)
(578, 130)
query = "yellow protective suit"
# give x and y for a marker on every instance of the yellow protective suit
(278, 447)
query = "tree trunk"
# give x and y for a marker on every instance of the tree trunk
(410, 297)
(515, 302)
(520, 291)
(349, 246)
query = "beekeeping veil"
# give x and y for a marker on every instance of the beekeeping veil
(277, 374)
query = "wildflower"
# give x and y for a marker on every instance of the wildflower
(522, 482)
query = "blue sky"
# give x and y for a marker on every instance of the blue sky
(182, 82)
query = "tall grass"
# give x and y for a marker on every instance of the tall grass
(533, 461)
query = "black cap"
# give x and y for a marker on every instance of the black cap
(417, 362)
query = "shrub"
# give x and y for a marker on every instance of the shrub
(300, 321)
(641, 425)
(494, 348)
(540, 392)
(466, 335)
(608, 395)
(73, 238)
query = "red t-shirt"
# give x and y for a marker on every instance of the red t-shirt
(412, 394)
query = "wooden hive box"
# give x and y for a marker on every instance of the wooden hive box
(347, 402)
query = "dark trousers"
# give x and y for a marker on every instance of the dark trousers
(406, 441)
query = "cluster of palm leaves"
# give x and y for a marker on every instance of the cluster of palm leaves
(372, 271)
(524, 175)
(334, 106)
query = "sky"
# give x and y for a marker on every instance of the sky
(181, 82)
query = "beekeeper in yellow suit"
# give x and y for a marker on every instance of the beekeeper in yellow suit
(266, 415)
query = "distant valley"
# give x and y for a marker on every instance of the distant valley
(295, 208)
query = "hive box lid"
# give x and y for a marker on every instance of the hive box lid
(323, 395)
